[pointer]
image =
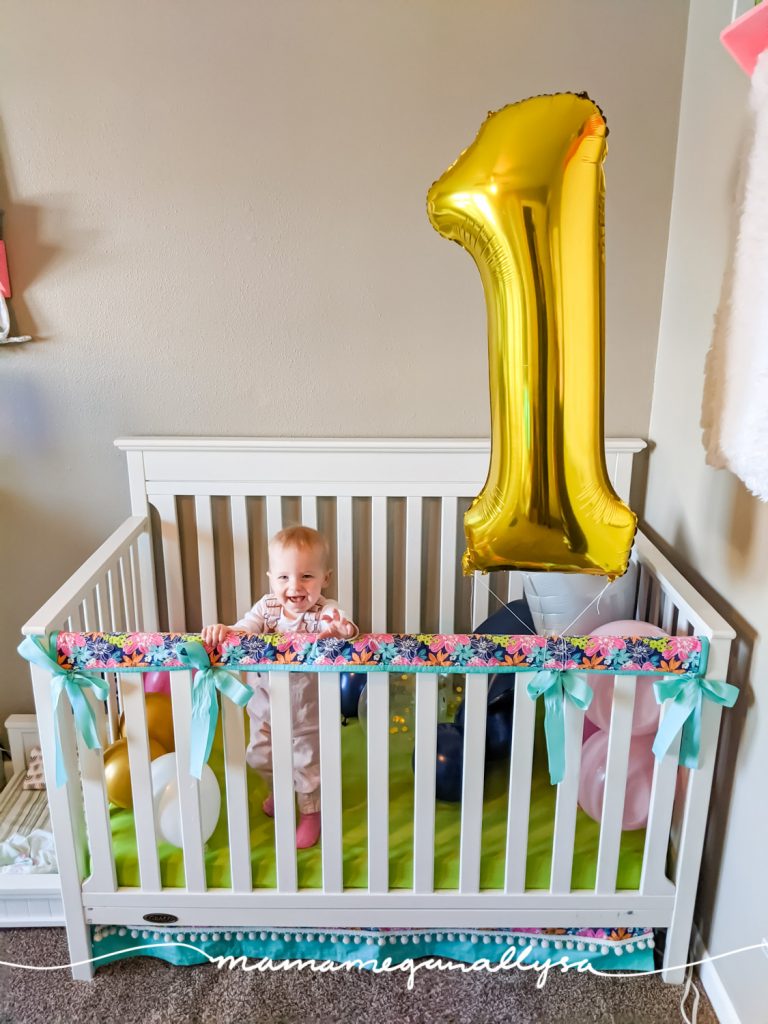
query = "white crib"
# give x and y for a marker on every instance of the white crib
(202, 510)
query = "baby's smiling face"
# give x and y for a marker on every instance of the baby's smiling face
(297, 576)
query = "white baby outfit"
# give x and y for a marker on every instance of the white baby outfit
(269, 616)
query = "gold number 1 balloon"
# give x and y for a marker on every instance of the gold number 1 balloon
(526, 201)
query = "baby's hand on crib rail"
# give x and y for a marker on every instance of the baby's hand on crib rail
(215, 635)
(335, 625)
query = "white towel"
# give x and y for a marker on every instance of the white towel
(734, 411)
(34, 854)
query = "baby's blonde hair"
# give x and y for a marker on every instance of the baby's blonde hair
(305, 539)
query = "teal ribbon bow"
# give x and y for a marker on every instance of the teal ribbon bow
(205, 707)
(687, 693)
(557, 686)
(74, 684)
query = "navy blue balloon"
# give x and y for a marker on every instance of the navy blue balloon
(450, 761)
(498, 725)
(512, 619)
(498, 722)
(351, 685)
(498, 734)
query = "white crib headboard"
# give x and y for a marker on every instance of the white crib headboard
(392, 510)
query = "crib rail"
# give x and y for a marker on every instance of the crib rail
(108, 592)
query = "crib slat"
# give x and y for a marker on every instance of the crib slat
(132, 694)
(117, 615)
(642, 594)
(448, 510)
(309, 511)
(475, 704)
(413, 524)
(238, 823)
(103, 877)
(169, 536)
(104, 620)
(274, 515)
(330, 780)
(565, 808)
(424, 785)
(518, 807)
(282, 768)
(90, 623)
(238, 511)
(654, 615)
(615, 783)
(480, 598)
(206, 558)
(653, 880)
(666, 618)
(378, 564)
(378, 782)
(344, 553)
(126, 575)
(138, 609)
(189, 787)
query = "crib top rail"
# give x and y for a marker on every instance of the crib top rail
(440, 467)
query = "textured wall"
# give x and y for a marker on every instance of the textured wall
(717, 532)
(215, 216)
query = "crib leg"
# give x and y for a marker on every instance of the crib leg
(79, 942)
(676, 953)
(67, 820)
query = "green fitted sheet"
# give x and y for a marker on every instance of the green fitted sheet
(447, 821)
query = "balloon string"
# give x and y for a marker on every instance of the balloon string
(502, 602)
(564, 632)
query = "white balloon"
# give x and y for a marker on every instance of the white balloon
(562, 600)
(165, 795)
(163, 770)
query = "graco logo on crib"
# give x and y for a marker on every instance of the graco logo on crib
(161, 918)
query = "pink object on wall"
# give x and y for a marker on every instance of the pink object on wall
(747, 37)
(5, 281)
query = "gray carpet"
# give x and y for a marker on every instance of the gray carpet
(152, 992)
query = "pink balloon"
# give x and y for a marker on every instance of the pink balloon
(589, 729)
(637, 796)
(157, 682)
(645, 717)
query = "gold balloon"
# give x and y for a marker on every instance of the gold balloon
(159, 720)
(117, 771)
(526, 200)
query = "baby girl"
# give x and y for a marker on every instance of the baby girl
(298, 572)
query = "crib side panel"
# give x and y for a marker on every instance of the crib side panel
(359, 492)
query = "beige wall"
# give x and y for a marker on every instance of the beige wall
(215, 215)
(717, 532)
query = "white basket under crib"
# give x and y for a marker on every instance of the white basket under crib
(203, 510)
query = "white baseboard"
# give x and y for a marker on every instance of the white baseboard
(713, 983)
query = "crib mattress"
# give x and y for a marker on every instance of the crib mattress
(447, 832)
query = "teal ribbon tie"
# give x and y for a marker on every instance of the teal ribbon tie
(74, 684)
(557, 686)
(687, 693)
(205, 707)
